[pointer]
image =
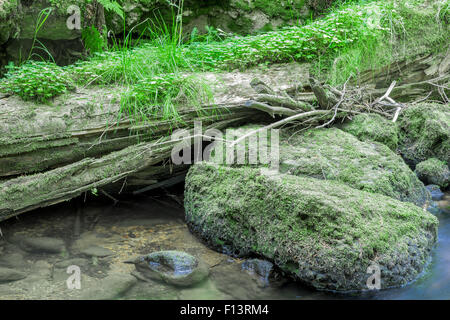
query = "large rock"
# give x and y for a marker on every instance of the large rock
(434, 171)
(425, 133)
(333, 154)
(173, 267)
(322, 232)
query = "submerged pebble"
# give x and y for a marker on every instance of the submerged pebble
(9, 275)
(173, 267)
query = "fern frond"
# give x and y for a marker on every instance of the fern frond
(113, 6)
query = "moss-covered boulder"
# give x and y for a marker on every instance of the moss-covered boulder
(55, 27)
(425, 133)
(332, 154)
(373, 127)
(323, 233)
(434, 171)
(9, 13)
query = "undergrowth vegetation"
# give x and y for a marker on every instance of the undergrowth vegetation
(157, 74)
(405, 28)
(37, 80)
(160, 96)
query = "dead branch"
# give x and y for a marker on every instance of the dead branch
(276, 110)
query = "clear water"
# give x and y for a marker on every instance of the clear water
(156, 223)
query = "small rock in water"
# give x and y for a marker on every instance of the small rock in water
(12, 260)
(434, 171)
(9, 275)
(262, 268)
(173, 267)
(41, 244)
(96, 251)
(435, 191)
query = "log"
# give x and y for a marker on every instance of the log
(30, 192)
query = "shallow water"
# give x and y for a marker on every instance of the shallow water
(155, 223)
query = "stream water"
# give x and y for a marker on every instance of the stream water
(154, 223)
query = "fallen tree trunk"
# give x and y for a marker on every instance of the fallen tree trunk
(30, 154)
(30, 192)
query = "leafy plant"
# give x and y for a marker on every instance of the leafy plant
(92, 39)
(340, 29)
(36, 80)
(113, 6)
(159, 96)
(42, 18)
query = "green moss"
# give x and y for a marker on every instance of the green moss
(323, 232)
(425, 133)
(7, 7)
(333, 154)
(373, 127)
(434, 171)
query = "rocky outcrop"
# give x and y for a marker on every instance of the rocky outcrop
(425, 133)
(237, 16)
(55, 26)
(323, 233)
(18, 28)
